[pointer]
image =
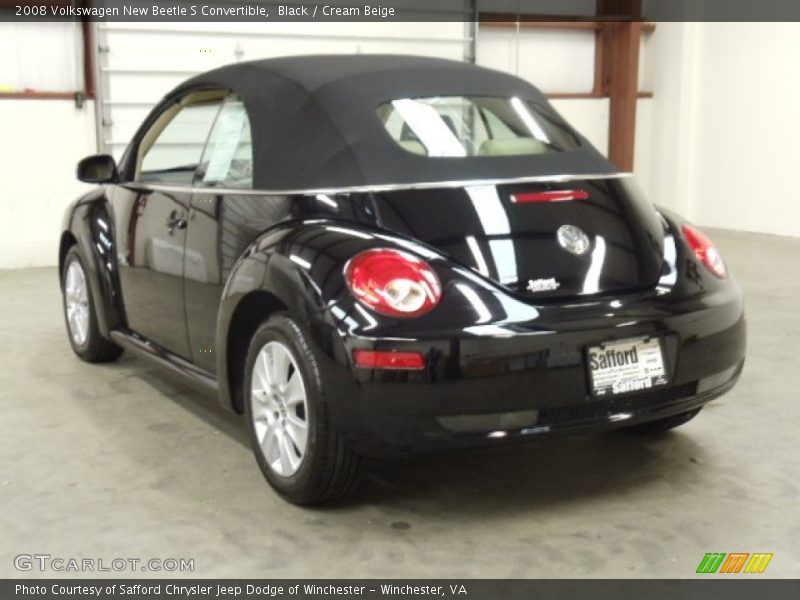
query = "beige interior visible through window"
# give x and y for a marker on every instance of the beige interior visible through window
(459, 126)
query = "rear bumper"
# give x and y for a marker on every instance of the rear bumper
(589, 416)
(497, 388)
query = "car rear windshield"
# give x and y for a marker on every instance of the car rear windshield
(454, 126)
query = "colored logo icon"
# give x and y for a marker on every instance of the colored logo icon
(735, 562)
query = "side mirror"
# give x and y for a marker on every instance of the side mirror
(99, 168)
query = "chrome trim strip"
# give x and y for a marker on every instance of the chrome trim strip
(389, 187)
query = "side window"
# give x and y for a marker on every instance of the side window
(170, 151)
(228, 157)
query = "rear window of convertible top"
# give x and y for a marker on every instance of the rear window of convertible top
(454, 126)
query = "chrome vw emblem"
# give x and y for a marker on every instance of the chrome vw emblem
(573, 239)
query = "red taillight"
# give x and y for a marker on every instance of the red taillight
(393, 283)
(389, 359)
(551, 196)
(705, 250)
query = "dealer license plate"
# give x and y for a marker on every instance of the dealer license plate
(626, 366)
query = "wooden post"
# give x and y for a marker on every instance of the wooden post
(623, 90)
(89, 83)
(618, 65)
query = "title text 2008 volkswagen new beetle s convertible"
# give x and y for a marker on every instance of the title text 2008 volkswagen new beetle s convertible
(372, 255)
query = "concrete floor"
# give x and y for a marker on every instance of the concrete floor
(119, 461)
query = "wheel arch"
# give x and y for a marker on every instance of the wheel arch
(297, 268)
(67, 241)
(87, 225)
(261, 284)
(252, 310)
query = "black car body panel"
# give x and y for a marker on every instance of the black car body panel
(185, 273)
(516, 241)
(87, 222)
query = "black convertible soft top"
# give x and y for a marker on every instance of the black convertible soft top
(314, 122)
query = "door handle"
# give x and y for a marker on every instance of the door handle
(174, 221)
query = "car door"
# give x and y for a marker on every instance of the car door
(226, 215)
(152, 217)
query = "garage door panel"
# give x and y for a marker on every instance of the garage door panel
(141, 87)
(556, 61)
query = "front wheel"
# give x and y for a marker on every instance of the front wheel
(288, 416)
(80, 314)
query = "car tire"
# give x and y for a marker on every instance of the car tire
(300, 453)
(80, 314)
(666, 423)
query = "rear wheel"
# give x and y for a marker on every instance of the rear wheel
(666, 423)
(80, 314)
(300, 453)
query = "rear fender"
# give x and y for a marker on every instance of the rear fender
(300, 266)
(692, 277)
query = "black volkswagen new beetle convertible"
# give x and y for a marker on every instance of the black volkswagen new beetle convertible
(372, 255)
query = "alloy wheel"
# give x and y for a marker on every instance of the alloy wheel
(279, 408)
(76, 294)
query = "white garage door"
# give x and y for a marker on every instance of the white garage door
(140, 62)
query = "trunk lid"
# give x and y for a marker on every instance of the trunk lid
(539, 240)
